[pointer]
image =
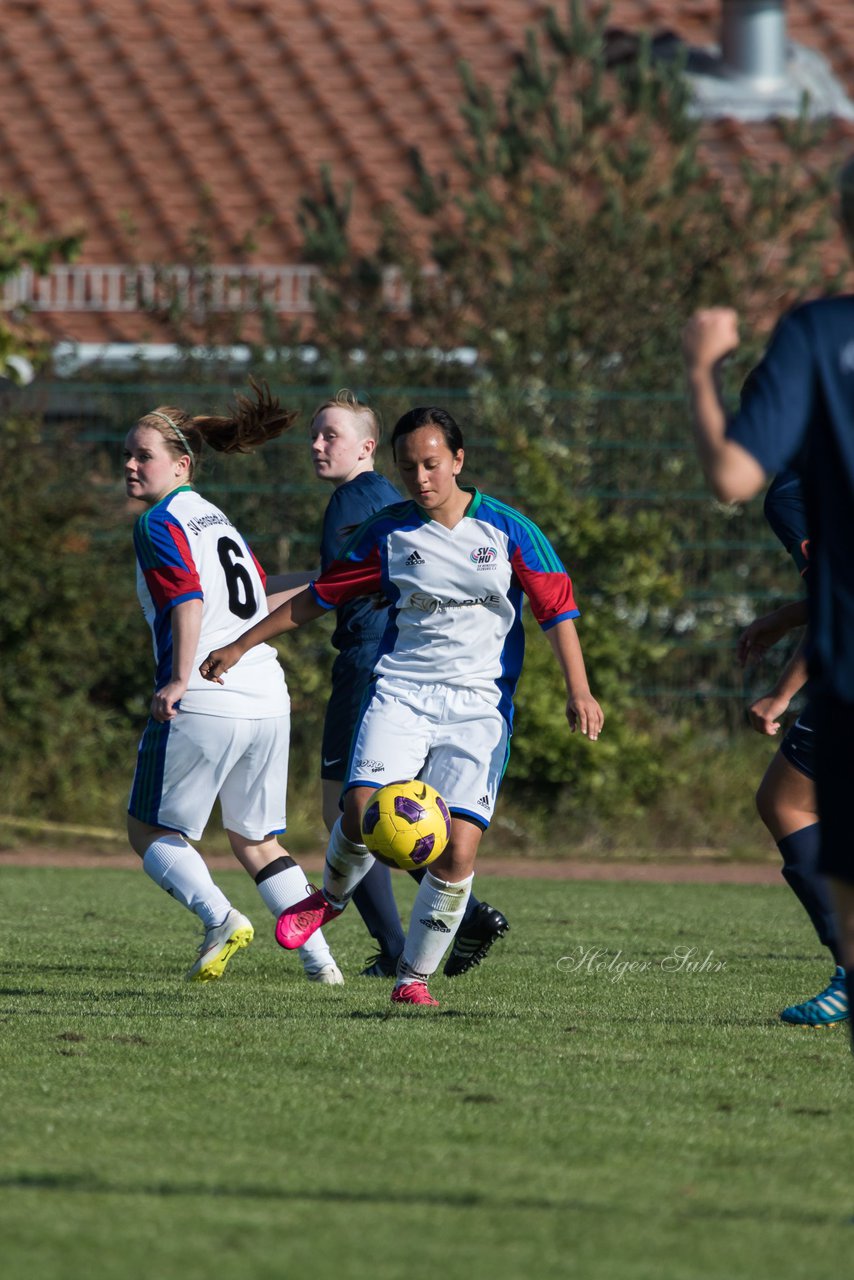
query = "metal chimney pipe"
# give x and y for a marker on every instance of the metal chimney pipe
(753, 41)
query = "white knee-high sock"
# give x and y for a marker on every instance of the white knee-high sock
(177, 867)
(436, 914)
(282, 883)
(347, 863)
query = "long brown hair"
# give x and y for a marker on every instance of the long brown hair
(254, 419)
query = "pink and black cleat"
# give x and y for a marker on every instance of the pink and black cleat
(297, 923)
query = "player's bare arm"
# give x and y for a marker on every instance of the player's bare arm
(186, 621)
(281, 587)
(763, 633)
(765, 713)
(296, 611)
(582, 710)
(733, 474)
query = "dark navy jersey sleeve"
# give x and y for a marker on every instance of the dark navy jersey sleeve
(785, 511)
(778, 398)
(349, 506)
(797, 412)
(363, 620)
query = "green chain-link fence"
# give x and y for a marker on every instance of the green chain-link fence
(631, 454)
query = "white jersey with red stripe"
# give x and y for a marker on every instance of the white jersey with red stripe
(456, 594)
(187, 549)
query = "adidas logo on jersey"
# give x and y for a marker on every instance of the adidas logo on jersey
(438, 926)
(484, 802)
(414, 558)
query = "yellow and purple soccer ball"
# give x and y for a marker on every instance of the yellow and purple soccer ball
(406, 825)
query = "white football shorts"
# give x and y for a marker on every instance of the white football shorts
(185, 763)
(447, 736)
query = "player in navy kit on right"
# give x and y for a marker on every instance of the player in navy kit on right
(797, 410)
(786, 797)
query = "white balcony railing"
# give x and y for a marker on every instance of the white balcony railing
(195, 291)
(117, 288)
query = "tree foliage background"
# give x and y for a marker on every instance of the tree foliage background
(545, 275)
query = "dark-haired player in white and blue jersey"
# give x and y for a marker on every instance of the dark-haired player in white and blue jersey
(797, 410)
(344, 437)
(786, 797)
(455, 566)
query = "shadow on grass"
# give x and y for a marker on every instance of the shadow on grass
(87, 1184)
(60, 1008)
(95, 971)
(426, 1015)
(422, 1016)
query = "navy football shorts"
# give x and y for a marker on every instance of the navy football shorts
(798, 746)
(351, 675)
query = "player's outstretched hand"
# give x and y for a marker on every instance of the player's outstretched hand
(583, 712)
(218, 662)
(764, 715)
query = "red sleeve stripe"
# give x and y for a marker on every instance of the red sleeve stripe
(258, 567)
(170, 583)
(345, 580)
(550, 594)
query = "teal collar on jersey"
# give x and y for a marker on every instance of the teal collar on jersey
(471, 509)
(182, 488)
(476, 499)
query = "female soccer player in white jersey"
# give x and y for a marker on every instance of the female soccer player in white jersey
(199, 584)
(454, 565)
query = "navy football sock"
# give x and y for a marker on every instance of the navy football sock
(800, 862)
(374, 900)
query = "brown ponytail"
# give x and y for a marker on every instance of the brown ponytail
(255, 419)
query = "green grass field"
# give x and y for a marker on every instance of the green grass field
(556, 1117)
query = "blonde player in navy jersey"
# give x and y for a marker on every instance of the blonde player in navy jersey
(454, 565)
(199, 584)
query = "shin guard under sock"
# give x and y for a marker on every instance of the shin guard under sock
(347, 863)
(436, 915)
(177, 867)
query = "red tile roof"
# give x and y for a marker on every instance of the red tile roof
(139, 120)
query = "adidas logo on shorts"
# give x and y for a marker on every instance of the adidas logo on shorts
(438, 926)
(414, 558)
(484, 802)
